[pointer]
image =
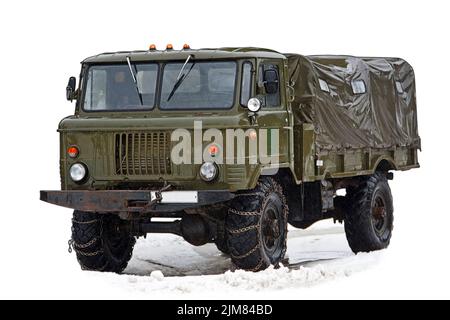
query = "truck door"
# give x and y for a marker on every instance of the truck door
(274, 114)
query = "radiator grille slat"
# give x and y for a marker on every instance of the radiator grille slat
(142, 153)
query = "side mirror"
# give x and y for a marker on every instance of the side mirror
(70, 89)
(271, 81)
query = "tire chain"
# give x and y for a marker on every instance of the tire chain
(245, 229)
(244, 213)
(86, 268)
(89, 254)
(85, 222)
(85, 245)
(257, 266)
(277, 189)
(95, 243)
(75, 246)
(245, 255)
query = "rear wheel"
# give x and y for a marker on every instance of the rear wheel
(369, 216)
(257, 226)
(99, 243)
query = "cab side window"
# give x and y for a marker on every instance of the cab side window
(269, 76)
(246, 83)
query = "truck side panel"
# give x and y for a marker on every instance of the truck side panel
(338, 164)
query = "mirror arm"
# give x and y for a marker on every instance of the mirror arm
(252, 118)
(75, 94)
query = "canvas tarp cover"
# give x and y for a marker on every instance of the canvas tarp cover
(381, 117)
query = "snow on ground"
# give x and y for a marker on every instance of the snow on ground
(318, 264)
(165, 264)
(175, 257)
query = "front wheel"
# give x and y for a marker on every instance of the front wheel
(369, 215)
(257, 226)
(221, 239)
(99, 243)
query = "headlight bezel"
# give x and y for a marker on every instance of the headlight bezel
(254, 104)
(83, 168)
(211, 165)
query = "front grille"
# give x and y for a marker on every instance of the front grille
(143, 153)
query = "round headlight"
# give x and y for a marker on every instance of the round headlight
(77, 172)
(208, 171)
(254, 104)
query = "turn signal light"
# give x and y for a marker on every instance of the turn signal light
(72, 151)
(169, 46)
(186, 46)
(152, 47)
(213, 150)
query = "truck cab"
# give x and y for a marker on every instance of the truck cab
(124, 117)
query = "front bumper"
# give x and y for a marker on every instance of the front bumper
(134, 201)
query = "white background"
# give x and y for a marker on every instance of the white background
(42, 43)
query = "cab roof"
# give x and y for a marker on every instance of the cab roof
(201, 54)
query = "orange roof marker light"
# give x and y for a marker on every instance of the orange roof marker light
(152, 47)
(169, 47)
(186, 46)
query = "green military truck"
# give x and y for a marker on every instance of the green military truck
(229, 146)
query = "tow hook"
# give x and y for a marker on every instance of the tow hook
(158, 198)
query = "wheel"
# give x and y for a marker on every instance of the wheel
(221, 239)
(369, 216)
(256, 226)
(98, 244)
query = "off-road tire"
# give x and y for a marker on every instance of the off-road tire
(369, 214)
(98, 244)
(256, 226)
(221, 239)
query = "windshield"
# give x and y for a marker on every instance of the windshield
(112, 87)
(206, 85)
(201, 85)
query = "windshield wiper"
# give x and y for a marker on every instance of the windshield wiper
(133, 75)
(181, 76)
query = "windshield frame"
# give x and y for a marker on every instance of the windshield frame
(85, 80)
(156, 107)
(236, 84)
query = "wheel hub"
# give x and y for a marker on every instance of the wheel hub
(271, 229)
(379, 215)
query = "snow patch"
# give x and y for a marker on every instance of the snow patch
(157, 275)
(271, 279)
(167, 265)
(284, 277)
